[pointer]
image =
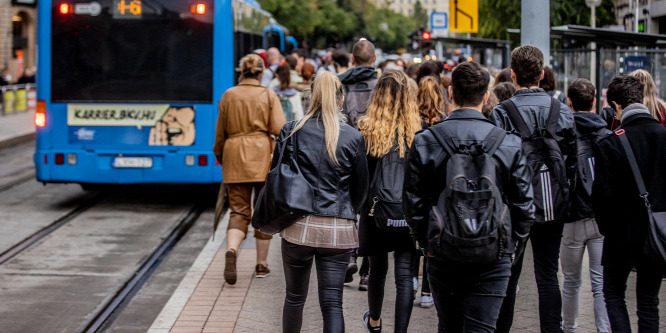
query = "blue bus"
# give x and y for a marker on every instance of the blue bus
(128, 89)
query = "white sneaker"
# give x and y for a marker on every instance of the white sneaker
(427, 301)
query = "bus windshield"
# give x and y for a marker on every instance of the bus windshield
(132, 51)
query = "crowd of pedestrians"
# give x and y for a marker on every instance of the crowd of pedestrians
(461, 169)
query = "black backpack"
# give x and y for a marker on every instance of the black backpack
(581, 196)
(357, 98)
(543, 154)
(470, 222)
(385, 197)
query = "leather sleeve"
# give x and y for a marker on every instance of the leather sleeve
(566, 139)
(359, 180)
(421, 182)
(519, 194)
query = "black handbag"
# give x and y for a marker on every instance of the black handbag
(286, 197)
(655, 239)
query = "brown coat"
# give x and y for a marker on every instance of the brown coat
(244, 124)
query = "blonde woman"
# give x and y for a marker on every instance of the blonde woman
(248, 115)
(433, 101)
(389, 126)
(331, 156)
(651, 99)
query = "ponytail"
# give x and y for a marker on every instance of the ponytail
(326, 96)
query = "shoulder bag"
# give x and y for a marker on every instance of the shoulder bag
(286, 197)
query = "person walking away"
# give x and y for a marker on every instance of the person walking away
(359, 83)
(455, 167)
(248, 115)
(433, 106)
(656, 105)
(581, 230)
(546, 127)
(340, 61)
(614, 187)
(273, 59)
(331, 157)
(290, 98)
(388, 127)
(549, 84)
(504, 91)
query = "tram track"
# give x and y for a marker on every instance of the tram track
(106, 312)
(34, 238)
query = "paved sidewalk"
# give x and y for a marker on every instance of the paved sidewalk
(204, 303)
(16, 127)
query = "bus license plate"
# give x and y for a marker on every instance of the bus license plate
(133, 162)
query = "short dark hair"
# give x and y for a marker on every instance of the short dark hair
(340, 58)
(300, 53)
(548, 82)
(428, 68)
(470, 83)
(527, 63)
(364, 52)
(581, 92)
(504, 91)
(624, 90)
(291, 60)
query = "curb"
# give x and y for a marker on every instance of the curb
(17, 140)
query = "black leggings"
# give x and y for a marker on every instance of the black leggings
(403, 281)
(331, 267)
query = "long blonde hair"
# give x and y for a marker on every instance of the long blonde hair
(392, 115)
(326, 96)
(651, 100)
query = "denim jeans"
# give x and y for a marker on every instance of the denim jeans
(575, 238)
(545, 239)
(648, 283)
(468, 297)
(331, 269)
(404, 296)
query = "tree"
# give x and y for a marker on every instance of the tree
(420, 15)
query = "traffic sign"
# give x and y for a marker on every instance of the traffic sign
(464, 15)
(439, 23)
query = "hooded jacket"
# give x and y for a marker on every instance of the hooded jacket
(590, 128)
(358, 74)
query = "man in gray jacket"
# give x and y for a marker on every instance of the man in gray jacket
(533, 107)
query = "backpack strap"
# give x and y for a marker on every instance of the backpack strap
(553, 117)
(493, 140)
(447, 141)
(517, 119)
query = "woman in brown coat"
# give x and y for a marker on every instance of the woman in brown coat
(248, 115)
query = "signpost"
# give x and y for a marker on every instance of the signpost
(439, 22)
(464, 15)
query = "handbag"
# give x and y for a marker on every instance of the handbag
(286, 197)
(655, 239)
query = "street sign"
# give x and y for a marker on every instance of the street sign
(464, 15)
(439, 23)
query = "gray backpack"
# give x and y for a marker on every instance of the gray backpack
(357, 98)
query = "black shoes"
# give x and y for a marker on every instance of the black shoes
(352, 268)
(230, 267)
(363, 284)
(366, 321)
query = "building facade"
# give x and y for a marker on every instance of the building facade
(641, 15)
(18, 37)
(406, 7)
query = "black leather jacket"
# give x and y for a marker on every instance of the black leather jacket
(426, 174)
(339, 190)
(534, 106)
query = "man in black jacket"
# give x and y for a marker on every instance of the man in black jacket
(533, 105)
(359, 83)
(621, 212)
(467, 296)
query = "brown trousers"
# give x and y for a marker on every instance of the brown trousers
(240, 203)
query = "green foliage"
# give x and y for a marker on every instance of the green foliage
(496, 16)
(323, 23)
(420, 15)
